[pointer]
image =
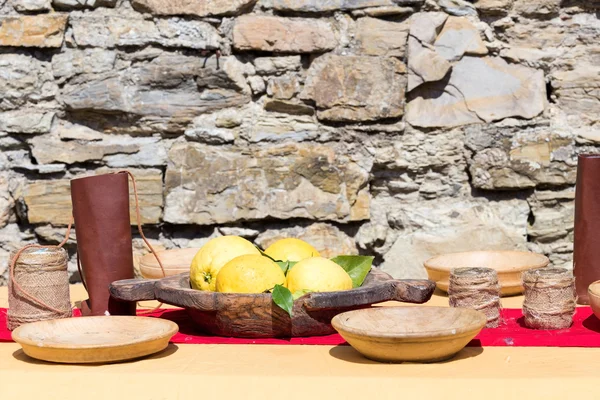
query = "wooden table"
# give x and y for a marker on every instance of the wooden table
(305, 372)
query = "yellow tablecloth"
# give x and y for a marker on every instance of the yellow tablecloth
(305, 372)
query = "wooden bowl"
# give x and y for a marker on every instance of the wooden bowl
(255, 315)
(417, 334)
(509, 264)
(175, 261)
(94, 339)
(594, 296)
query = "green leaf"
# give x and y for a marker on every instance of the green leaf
(356, 266)
(299, 293)
(284, 265)
(291, 264)
(283, 298)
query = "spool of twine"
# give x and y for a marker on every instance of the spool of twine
(478, 289)
(550, 298)
(42, 273)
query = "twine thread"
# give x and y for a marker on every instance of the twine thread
(44, 274)
(550, 298)
(478, 289)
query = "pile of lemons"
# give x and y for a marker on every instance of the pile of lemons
(232, 264)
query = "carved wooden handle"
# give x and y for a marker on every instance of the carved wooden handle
(416, 291)
(409, 291)
(133, 289)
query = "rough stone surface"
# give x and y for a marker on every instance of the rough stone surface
(332, 5)
(538, 8)
(283, 87)
(424, 63)
(45, 30)
(100, 30)
(578, 91)
(77, 4)
(479, 89)
(26, 121)
(356, 88)
(215, 128)
(327, 239)
(289, 107)
(6, 201)
(175, 86)
(200, 8)
(276, 126)
(493, 7)
(89, 61)
(276, 65)
(384, 11)
(32, 5)
(283, 35)
(49, 201)
(457, 38)
(375, 37)
(457, 7)
(24, 80)
(553, 216)
(531, 157)
(285, 181)
(432, 228)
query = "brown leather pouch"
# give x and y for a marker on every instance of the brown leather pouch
(101, 212)
(586, 256)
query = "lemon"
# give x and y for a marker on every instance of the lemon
(249, 274)
(318, 274)
(291, 249)
(213, 256)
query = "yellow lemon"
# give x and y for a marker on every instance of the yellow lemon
(291, 249)
(213, 256)
(249, 274)
(318, 274)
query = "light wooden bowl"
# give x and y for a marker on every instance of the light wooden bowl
(94, 339)
(510, 265)
(174, 261)
(594, 295)
(415, 334)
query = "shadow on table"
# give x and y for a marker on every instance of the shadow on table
(592, 323)
(171, 349)
(347, 353)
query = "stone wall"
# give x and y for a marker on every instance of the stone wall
(397, 128)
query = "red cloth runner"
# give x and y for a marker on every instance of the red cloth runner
(585, 332)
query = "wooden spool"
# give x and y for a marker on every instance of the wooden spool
(256, 316)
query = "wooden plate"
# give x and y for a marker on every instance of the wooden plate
(94, 339)
(175, 261)
(417, 334)
(509, 264)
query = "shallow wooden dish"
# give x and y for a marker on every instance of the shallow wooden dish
(509, 264)
(416, 334)
(175, 261)
(594, 296)
(255, 315)
(94, 339)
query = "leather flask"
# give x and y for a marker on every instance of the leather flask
(586, 252)
(101, 213)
